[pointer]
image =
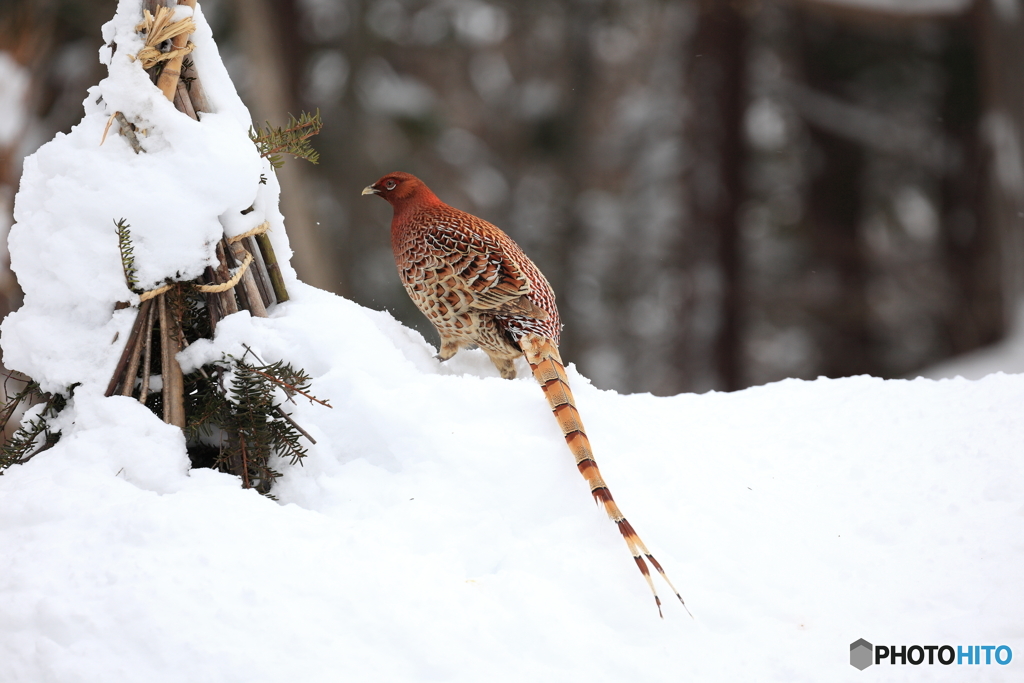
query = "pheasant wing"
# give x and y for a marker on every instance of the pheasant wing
(471, 271)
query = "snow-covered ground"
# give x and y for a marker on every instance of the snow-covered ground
(1005, 356)
(438, 530)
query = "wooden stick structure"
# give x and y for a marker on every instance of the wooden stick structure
(258, 287)
(231, 415)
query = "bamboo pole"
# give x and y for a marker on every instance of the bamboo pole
(273, 269)
(260, 272)
(170, 75)
(252, 292)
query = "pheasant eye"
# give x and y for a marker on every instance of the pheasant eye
(390, 185)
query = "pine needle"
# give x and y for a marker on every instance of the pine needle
(293, 139)
(124, 243)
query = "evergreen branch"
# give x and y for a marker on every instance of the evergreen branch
(292, 388)
(295, 424)
(124, 243)
(21, 447)
(29, 391)
(241, 402)
(291, 380)
(293, 139)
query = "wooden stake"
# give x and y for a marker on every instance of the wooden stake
(173, 381)
(213, 308)
(227, 262)
(194, 89)
(273, 269)
(232, 263)
(128, 383)
(252, 293)
(183, 102)
(171, 73)
(260, 272)
(228, 300)
(128, 132)
(122, 363)
(147, 356)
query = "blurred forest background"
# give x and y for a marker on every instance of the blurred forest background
(722, 193)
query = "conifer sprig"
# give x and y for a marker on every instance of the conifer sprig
(27, 393)
(24, 443)
(124, 243)
(234, 405)
(292, 139)
(292, 380)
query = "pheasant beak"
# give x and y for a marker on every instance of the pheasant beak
(370, 189)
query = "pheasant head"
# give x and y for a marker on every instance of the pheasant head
(404, 191)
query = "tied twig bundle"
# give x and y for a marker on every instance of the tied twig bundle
(245, 275)
(159, 29)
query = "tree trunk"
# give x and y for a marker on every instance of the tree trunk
(972, 205)
(716, 83)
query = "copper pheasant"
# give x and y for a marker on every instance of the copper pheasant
(479, 289)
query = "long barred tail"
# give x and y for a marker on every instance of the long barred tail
(546, 363)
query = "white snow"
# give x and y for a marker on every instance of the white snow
(1004, 356)
(179, 197)
(438, 530)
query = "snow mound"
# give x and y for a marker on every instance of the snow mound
(179, 197)
(439, 530)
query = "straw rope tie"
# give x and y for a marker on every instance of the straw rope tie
(258, 230)
(159, 29)
(224, 286)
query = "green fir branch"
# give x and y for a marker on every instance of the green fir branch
(124, 243)
(292, 139)
(30, 392)
(21, 446)
(235, 406)
(24, 443)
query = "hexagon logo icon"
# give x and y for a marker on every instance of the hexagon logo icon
(861, 652)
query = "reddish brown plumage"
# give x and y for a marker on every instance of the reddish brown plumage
(478, 288)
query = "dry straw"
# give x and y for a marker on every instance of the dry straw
(159, 29)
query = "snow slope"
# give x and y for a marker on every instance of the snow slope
(438, 530)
